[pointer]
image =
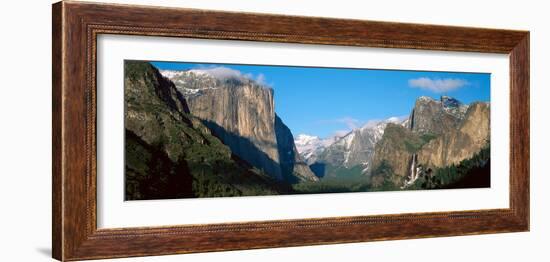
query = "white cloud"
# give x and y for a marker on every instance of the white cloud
(394, 119)
(438, 85)
(222, 72)
(261, 79)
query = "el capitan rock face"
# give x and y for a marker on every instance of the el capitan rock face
(172, 154)
(241, 113)
(243, 116)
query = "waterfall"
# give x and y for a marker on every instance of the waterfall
(413, 172)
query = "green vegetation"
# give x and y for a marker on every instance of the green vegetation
(136, 70)
(337, 180)
(399, 138)
(150, 174)
(383, 178)
(415, 143)
(469, 173)
(427, 137)
(352, 182)
(340, 172)
(171, 154)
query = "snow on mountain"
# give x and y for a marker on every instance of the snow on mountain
(453, 106)
(406, 123)
(191, 82)
(310, 146)
(194, 82)
(219, 73)
(376, 128)
(171, 73)
(354, 148)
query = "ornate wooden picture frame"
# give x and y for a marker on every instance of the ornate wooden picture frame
(76, 26)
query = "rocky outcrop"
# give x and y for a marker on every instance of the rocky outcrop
(438, 134)
(468, 138)
(356, 149)
(172, 154)
(436, 117)
(396, 148)
(155, 111)
(293, 167)
(310, 147)
(241, 113)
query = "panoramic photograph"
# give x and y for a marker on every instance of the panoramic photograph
(201, 130)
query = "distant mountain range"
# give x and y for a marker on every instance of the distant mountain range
(353, 149)
(437, 133)
(199, 133)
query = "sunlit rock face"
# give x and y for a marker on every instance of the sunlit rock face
(240, 111)
(438, 133)
(472, 134)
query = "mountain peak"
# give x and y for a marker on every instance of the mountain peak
(304, 139)
(425, 99)
(380, 124)
(445, 102)
(448, 101)
(394, 119)
(309, 146)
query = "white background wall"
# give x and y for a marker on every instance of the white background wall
(25, 129)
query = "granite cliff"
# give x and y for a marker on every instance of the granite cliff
(169, 153)
(293, 166)
(241, 112)
(439, 133)
(394, 153)
(461, 143)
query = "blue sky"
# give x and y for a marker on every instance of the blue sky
(328, 101)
